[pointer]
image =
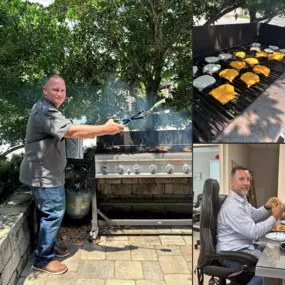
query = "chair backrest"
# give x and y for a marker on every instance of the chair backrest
(211, 204)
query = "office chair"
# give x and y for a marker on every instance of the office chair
(210, 262)
(196, 218)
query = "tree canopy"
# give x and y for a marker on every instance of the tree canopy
(109, 52)
(258, 10)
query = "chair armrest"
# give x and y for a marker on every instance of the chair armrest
(242, 257)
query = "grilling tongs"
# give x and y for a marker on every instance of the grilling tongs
(142, 114)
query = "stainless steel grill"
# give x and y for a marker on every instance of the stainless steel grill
(143, 156)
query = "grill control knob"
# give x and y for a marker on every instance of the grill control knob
(169, 168)
(153, 168)
(136, 169)
(186, 168)
(105, 169)
(121, 169)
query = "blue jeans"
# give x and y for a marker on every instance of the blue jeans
(256, 280)
(51, 205)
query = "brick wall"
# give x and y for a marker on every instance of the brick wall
(161, 190)
(15, 236)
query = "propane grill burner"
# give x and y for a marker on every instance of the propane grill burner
(210, 116)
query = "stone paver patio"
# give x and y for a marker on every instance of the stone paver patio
(160, 257)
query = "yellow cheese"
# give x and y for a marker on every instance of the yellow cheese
(261, 69)
(229, 74)
(238, 65)
(276, 56)
(223, 93)
(251, 61)
(240, 54)
(261, 54)
(249, 78)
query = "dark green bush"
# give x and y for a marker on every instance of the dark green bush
(9, 175)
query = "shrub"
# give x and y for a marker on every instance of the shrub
(9, 175)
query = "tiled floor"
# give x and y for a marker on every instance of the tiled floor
(162, 257)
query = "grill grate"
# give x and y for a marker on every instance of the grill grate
(210, 116)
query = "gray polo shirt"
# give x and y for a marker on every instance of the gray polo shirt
(45, 150)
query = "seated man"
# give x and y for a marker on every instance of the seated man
(240, 224)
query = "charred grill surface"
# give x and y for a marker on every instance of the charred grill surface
(210, 116)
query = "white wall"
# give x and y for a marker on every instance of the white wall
(201, 164)
(264, 162)
(239, 153)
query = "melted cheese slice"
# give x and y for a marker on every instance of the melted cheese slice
(249, 78)
(223, 93)
(240, 54)
(261, 69)
(276, 56)
(238, 65)
(229, 74)
(261, 54)
(251, 61)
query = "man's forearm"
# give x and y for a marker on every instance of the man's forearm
(86, 131)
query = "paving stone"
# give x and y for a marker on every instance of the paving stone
(181, 279)
(120, 282)
(100, 269)
(62, 279)
(135, 231)
(173, 264)
(163, 229)
(190, 265)
(142, 253)
(93, 251)
(187, 252)
(150, 282)
(90, 282)
(167, 250)
(35, 274)
(152, 270)
(188, 240)
(149, 230)
(72, 264)
(117, 243)
(129, 270)
(25, 281)
(117, 238)
(181, 229)
(118, 253)
(144, 240)
(172, 240)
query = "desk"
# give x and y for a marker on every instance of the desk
(271, 264)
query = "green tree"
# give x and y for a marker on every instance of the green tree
(258, 10)
(106, 51)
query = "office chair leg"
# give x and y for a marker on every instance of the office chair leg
(216, 281)
(222, 281)
(197, 244)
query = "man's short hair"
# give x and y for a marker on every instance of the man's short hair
(56, 76)
(235, 169)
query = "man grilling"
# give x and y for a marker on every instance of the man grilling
(240, 224)
(43, 166)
